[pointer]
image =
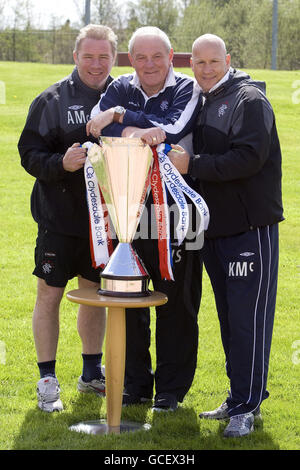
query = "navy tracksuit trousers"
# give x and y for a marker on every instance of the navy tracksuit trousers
(176, 334)
(243, 271)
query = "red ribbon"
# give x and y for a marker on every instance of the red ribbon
(158, 200)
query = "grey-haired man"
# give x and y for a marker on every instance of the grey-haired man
(158, 105)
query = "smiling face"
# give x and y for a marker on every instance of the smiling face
(209, 62)
(94, 60)
(151, 60)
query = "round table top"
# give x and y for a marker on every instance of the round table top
(89, 296)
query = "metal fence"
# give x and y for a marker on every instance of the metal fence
(54, 47)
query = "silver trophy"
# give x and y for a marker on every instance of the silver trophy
(122, 168)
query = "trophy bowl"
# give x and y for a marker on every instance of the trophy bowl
(122, 166)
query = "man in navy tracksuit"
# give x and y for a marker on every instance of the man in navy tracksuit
(157, 104)
(237, 160)
(50, 151)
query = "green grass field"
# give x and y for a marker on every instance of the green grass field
(23, 425)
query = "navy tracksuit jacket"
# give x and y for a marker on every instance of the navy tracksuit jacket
(57, 118)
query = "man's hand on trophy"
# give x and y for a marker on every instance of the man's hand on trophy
(151, 136)
(95, 125)
(180, 158)
(74, 158)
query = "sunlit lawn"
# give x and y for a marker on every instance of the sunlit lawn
(22, 425)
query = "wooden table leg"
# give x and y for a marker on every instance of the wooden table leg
(115, 350)
(115, 356)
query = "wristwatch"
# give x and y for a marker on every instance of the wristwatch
(119, 111)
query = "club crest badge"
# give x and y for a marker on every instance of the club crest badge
(222, 109)
(48, 262)
(47, 267)
(164, 105)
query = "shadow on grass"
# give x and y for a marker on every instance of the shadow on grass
(184, 430)
(41, 430)
(174, 431)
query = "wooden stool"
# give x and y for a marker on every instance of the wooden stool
(115, 350)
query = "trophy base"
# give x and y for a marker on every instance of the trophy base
(125, 274)
(101, 427)
(124, 287)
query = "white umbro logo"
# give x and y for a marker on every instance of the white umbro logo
(247, 253)
(75, 107)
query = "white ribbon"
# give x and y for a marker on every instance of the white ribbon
(98, 233)
(178, 187)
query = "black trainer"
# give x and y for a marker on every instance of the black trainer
(165, 402)
(129, 399)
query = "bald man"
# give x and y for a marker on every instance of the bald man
(237, 161)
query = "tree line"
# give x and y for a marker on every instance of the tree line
(245, 26)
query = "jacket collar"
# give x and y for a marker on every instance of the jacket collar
(217, 85)
(90, 91)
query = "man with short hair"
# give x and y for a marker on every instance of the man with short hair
(50, 150)
(158, 105)
(237, 161)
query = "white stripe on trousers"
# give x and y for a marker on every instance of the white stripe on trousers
(255, 317)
